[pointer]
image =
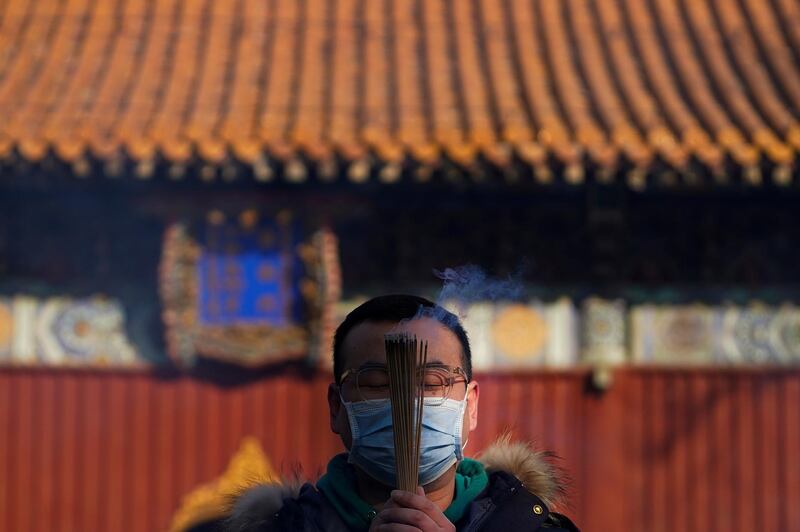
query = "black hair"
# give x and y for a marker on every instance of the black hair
(398, 307)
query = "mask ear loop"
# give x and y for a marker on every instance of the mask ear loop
(466, 393)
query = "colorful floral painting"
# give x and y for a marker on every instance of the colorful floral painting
(65, 332)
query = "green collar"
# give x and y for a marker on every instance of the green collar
(471, 480)
(338, 485)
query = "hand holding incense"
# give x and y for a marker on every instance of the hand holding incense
(406, 359)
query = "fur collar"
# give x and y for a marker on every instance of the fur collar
(534, 468)
(257, 505)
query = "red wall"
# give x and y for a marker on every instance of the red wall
(662, 450)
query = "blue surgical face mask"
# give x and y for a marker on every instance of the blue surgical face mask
(373, 439)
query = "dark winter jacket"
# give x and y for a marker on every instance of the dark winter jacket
(522, 484)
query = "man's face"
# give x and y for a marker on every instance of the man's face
(364, 344)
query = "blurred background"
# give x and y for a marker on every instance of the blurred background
(194, 193)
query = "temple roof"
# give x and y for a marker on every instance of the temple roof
(601, 88)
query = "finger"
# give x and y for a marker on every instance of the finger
(394, 527)
(375, 524)
(377, 520)
(420, 502)
(407, 516)
(390, 504)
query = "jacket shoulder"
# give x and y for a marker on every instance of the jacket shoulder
(514, 507)
(524, 483)
(556, 521)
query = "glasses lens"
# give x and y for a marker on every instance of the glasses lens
(437, 384)
(372, 383)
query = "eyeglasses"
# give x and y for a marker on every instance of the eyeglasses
(371, 381)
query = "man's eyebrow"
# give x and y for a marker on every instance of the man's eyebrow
(372, 363)
(375, 363)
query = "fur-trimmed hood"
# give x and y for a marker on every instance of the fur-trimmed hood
(256, 505)
(534, 468)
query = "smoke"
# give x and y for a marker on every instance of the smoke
(464, 285)
(469, 283)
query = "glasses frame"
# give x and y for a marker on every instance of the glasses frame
(453, 374)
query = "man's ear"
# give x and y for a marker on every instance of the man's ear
(473, 394)
(334, 406)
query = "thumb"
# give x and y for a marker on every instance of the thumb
(420, 491)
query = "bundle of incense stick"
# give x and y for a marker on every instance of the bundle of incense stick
(405, 363)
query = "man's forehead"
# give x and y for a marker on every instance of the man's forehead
(365, 342)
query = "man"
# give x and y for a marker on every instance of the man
(509, 489)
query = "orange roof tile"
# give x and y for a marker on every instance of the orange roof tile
(606, 85)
